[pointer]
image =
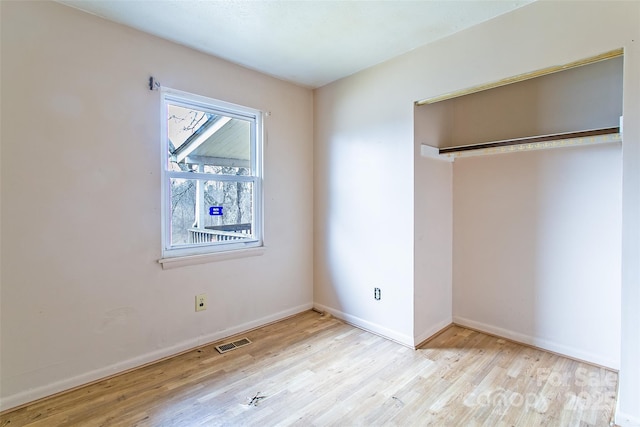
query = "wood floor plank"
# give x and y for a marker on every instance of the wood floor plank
(314, 370)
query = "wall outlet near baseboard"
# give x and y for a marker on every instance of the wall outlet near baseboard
(201, 302)
(377, 294)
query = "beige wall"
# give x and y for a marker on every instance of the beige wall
(433, 250)
(364, 204)
(373, 111)
(82, 293)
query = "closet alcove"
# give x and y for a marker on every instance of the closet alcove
(518, 203)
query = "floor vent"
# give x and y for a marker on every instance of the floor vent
(223, 348)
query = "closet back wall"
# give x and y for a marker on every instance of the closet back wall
(537, 248)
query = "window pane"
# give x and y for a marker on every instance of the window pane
(205, 142)
(211, 211)
(213, 206)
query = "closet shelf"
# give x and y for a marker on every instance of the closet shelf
(587, 137)
(533, 140)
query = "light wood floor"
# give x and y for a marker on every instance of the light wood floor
(314, 370)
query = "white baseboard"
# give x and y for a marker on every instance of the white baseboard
(626, 420)
(554, 347)
(368, 326)
(432, 331)
(49, 389)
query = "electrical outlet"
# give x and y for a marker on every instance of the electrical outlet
(201, 302)
(377, 294)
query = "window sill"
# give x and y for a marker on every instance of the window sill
(184, 261)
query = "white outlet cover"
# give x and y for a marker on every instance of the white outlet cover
(201, 302)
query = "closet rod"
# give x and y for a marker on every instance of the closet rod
(531, 140)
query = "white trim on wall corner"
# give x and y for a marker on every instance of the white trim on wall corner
(374, 328)
(541, 343)
(439, 327)
(144, 359)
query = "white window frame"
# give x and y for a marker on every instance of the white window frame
(176, 97)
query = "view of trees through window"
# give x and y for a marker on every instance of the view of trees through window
(214, 148)
(235, 198)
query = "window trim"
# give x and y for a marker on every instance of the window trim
(186, 260)
(209, 252)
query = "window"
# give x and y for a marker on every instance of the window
(212, 170)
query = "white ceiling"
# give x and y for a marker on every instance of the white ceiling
(310, 42)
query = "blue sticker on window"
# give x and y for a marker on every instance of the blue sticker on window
(215, 210)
